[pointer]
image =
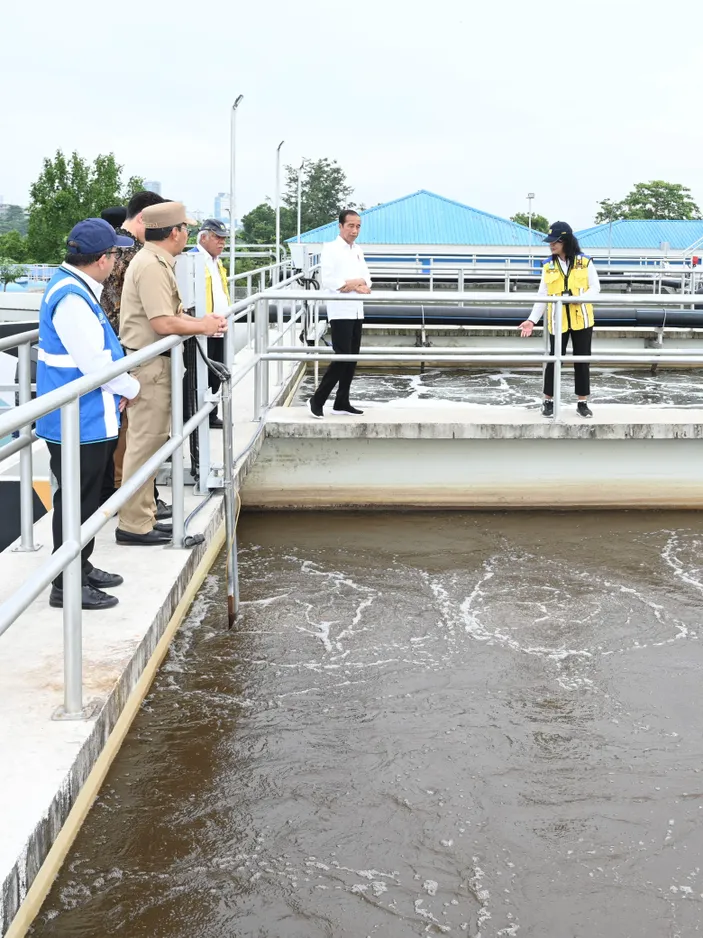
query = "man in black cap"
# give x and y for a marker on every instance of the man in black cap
(211, 243)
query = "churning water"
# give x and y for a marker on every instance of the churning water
(432, 723)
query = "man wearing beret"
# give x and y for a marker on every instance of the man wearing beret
(151, 309)
(128, 223)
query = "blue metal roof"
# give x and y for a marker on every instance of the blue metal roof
(426, 218)
(646, 234)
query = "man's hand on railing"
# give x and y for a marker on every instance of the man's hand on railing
(364, 288)
(526, 328)
(213, 324)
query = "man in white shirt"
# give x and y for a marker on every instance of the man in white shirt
(344, 270)
(211, 242)
(76, 339)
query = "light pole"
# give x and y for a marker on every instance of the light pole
(530, 197)
(300, 195)
(278, 207)
(232, 195)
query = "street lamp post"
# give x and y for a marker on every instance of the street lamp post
(300, 195)
(232, 186)
(530, 197)
(278, 209)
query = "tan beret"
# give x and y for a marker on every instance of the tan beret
(166, 214)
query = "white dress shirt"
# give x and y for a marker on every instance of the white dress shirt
(539, 309)
(220, 303)
(83, 338)
(342, 262)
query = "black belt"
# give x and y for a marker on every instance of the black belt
(166, 354)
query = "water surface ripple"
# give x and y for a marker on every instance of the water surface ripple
(452, 723)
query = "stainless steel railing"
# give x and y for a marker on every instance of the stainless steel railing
(266, 349)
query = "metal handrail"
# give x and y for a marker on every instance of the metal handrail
(67, 558)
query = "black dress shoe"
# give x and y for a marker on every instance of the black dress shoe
(90, 598)
(347, 409)
(100, 580)
(163, 528)
(163, 510)
(215, 421)
(151, 537)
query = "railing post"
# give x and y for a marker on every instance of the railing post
(279, 328)
(316, 328)
(73, 574)
(24, 380)
(263, 365)
(177, 473)
(230, 517)
(258, 316)
(202, 377)
(558, 308)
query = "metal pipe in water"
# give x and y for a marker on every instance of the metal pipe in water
(230, 520)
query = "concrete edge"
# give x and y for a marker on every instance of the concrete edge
(54, 835)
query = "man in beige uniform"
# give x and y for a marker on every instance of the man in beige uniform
(151, 309)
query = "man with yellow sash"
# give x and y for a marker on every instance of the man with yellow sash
(211, 242)
(568, 272)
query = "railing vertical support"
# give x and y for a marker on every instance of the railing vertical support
(24, 380)
(73, 574)
(177, 472)
(263, 365)
(557, 326)
(202, 376)
(230, 516)
(279, 328)
(258, 316)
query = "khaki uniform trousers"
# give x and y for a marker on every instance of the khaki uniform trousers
(148, 429)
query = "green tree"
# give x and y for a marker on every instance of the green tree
(259, 225)
(67, 191)
(14, 246)
(9, 272)
(13, 218)
(539, 222)
(325, 191)
(656, 199)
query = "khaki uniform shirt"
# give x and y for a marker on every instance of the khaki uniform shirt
(150, 290)
(112, 287)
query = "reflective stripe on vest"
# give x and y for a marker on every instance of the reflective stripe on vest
(99, 412)
(574, 316)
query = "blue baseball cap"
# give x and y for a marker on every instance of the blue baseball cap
(95, 236)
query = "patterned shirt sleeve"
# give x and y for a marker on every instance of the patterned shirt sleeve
(112, 288)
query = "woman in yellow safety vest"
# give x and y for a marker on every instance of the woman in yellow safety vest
(568, 272)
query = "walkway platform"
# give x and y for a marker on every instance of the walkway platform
(51, 771)
(468, 456)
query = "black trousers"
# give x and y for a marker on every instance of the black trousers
(94, 460)
(346, 340)
(581, 345)
(215, 351)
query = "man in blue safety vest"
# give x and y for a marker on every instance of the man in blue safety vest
(76, 339)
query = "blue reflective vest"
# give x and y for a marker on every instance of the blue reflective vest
(99, 412)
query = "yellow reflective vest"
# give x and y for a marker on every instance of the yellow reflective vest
(574, 315)
(209, 303)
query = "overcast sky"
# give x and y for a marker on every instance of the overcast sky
(466, 99)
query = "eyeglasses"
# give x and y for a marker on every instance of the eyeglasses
(114, 253)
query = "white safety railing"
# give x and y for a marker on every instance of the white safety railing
(293, 309)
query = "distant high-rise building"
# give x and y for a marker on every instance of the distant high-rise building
(152, 185)
(222, 206)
